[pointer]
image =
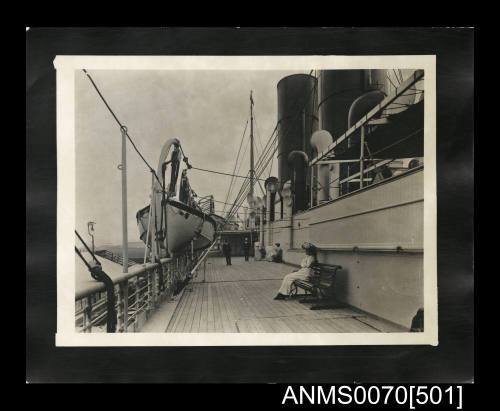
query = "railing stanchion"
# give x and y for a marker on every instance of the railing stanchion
(137, 294)
(362, 157)
(137, 303)
(88, 313)
(154, 291)
(124, 295)
(119, 309)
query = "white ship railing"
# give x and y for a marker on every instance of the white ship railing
(367, 165)
(398, 92)
(137, 294)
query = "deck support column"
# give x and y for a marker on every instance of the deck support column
(362, 157)
(124, 297)
(124, 199)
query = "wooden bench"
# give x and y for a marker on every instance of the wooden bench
(320, 285)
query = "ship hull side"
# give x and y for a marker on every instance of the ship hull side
(362, 232)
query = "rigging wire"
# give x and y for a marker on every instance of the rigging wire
(401, 75)
(236, 162)
(123, 129)
(265, 158)
(271, 168)
(242, 157)
(261, 164)
(220, 172)
(397, 77)
(258, 132)
(259, 139)
(388, 78)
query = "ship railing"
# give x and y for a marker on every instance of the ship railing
(207, 204)
(399, 91)
(137, 294)
(368, 167)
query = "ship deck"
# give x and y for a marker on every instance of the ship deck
(239, 299)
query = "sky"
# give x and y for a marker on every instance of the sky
(205, 109)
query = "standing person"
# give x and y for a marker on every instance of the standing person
(226, 250)
(246, 248)
(302, 274)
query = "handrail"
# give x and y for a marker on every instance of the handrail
(137, 269)
(379, 248)
(96, 286)
(137, 293)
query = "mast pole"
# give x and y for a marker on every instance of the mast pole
(252, 171)
(124, 199)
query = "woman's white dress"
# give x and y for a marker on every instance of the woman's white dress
(302, 274)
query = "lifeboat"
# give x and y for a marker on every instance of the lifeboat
(173, 219)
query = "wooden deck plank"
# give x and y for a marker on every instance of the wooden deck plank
(239, 298)
(177, 317)
(226, 325)
(187, 307)
(217, 315)
(196, 318)
(228, 319)
(188, 310)
(211, 308)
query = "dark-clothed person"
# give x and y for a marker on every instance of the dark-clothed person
(277, 256)
(226, 250)
(246, 248)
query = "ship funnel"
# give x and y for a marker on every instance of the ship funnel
(297, 120)
(298, 162)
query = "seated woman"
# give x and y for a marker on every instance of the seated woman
(301, 274)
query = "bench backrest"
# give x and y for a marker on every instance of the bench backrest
(326, 274)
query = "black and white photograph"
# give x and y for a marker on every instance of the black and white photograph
(241, 201)
(288, 210)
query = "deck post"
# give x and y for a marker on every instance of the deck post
(312, 186)
(150, 219)
(361, 157)
(124, 199)
(124, 296)
(154, 288)
(268, 234)
(88, 314)
(261, 220)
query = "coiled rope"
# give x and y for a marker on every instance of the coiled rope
(99, 275)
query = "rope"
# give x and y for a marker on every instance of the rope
(160, 275)
(225, 174)
(388, 78)
(398, 141)
(396, 75)
(236, 161)
(123, 129)
(258, 132)
(271, 168)
(239, 199)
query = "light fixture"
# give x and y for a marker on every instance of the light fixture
(271, 185)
